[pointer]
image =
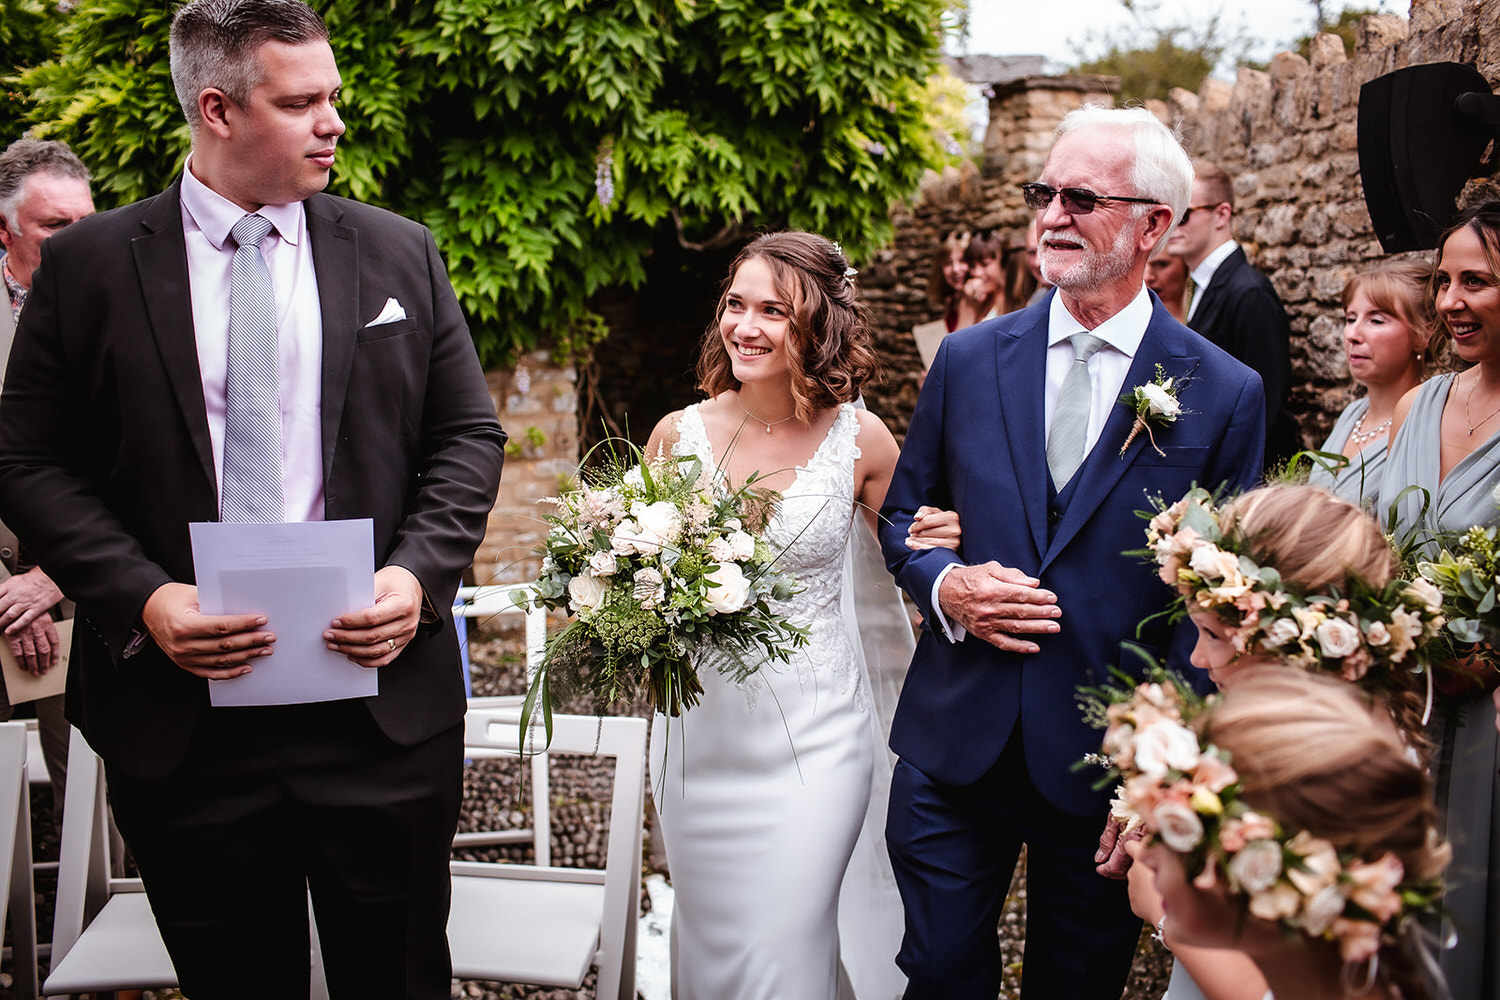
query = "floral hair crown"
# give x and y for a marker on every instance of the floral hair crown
(1186, 794)
(1363, 636)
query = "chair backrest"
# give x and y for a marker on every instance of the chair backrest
(17, 900)
(624, 740)
(84, 880)
(484, 603)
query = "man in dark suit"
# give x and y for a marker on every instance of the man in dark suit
(126, 400)
(1020, 429)
(1233, 304)
(44, 188)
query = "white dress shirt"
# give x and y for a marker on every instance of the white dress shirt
(1122, 334)
(1204, 272)
(207, 218)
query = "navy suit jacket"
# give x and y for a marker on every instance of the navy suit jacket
(977, 445)
(105, 456)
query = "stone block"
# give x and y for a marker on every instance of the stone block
(1378, 32)
(1184, 102)
(1214, 95)
(1326, 50)
(1286, 66)
(1278, 226)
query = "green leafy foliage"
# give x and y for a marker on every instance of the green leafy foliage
(28, 35)
(547, 143)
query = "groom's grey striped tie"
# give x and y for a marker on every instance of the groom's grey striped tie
(250, 486)
(1070, 414)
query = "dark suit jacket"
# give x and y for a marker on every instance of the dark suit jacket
(977, 444)
(105, 455)
(1241, 312)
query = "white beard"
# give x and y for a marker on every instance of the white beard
(1095, 268)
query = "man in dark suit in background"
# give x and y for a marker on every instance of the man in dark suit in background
(1019, 428)
(1233, 304)
(44, 188)
(243, 343)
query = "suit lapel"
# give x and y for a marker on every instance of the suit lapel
(162, 269)
(1163, 344)
(335, 250)
(1021, 374)
(1206, 316)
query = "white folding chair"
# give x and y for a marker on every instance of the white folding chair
(547, 926)
(104, 936)
(486, 602)
(18, 902)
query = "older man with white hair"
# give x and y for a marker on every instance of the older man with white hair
(1021, 428)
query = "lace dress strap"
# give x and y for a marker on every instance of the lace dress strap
(692, 436)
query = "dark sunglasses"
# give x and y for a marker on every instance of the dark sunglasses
(1187, 213)
(1075, 201)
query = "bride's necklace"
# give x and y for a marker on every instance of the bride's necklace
(768, 423)
(1360, 436)
(1469, 396)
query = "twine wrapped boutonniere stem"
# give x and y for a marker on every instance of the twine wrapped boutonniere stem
(1154, 403)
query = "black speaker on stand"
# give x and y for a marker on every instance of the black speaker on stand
(1423, 132)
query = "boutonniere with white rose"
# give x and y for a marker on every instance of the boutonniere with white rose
(1155, 403)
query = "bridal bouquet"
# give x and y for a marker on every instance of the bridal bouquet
(1467, 572)
(658, 561)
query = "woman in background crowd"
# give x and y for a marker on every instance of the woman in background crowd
(1389, 328)
(983, 294)
(1167, 275)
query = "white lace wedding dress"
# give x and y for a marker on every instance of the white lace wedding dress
(763, 787)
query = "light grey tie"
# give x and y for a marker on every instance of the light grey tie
(250, 487)
(1070, 414)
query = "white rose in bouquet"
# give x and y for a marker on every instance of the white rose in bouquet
(1161, 401)
(585, 592)
(1165, 745)
(626, 538)
(603, 563)
(743, 544)
(732, 592)
(1178, 826)
(719, 550)
(660, 524)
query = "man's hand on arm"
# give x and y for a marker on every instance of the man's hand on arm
(999, 605)
(1111, 859)
(375, 636)
(216, 647)
(25, 600)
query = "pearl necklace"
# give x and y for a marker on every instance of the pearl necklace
(768, 424)
(1359, 435)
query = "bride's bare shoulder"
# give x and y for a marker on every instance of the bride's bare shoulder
(664, 435)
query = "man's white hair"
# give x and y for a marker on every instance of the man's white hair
(1161, 170)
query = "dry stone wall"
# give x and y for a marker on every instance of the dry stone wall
(1288, 137)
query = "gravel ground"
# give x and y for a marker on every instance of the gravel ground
(496, 798)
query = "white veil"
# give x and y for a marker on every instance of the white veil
(870, 915)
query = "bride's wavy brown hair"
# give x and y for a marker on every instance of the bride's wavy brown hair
(830, 343)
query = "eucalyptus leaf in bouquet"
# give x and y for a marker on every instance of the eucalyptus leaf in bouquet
(658, 561)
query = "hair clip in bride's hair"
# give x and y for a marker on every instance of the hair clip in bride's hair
(838, 254)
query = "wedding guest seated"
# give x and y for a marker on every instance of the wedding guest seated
(983, 293)
(1167, 275)
(944, 287)
(1389, 331)
(1292, 827)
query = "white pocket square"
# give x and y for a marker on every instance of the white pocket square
(390, 313)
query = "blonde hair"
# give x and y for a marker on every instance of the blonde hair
(1216, 182)
(1323, 544)
(1310, 753)
(1315, 540)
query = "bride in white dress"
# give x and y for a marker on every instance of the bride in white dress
(763, 787)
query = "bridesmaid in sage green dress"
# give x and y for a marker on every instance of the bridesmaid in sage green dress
(1388, 325)
(1445, 437)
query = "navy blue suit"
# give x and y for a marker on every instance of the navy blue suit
(989, 740)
